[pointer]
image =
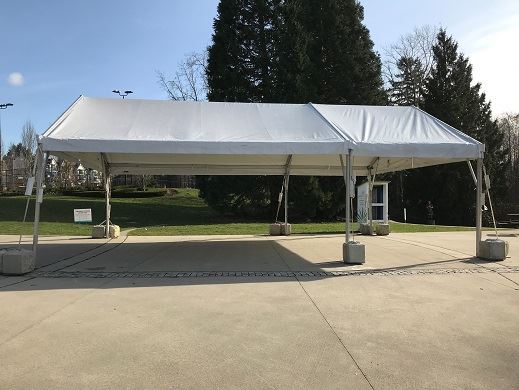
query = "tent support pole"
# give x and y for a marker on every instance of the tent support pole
(472, 173)
(348, 197)
(107, 199)
(345, 199)
(370, 200)
(479, 192)
(346, 171)
(107, 184)
(286, 180)
(40, 171)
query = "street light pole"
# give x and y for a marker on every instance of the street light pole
(122, 94)
(3, 106)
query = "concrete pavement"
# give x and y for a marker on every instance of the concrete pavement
(261, 312)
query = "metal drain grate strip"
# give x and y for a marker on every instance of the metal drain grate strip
(267, 274)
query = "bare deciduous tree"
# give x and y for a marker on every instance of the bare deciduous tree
(66, 178)
(29, 142)
(509, 124)
(416, 45)
(189, 81)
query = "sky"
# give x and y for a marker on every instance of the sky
(55, 50)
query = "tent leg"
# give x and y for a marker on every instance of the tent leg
(352, 252)
(40, 170)
(479, 212)
(108, 181)
(276, 228)
(287, 228)
(472, 173)
(286, 201)
(347, 178)
(345, 169)
(370, 201)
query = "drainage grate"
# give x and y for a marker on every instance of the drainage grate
(266, 274)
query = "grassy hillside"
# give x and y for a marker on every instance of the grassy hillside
(182, 213)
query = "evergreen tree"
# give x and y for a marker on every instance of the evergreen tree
(240, 68)
(240, 59)
(406, 89)
(326, 55)
(294, 51)
(452, 97)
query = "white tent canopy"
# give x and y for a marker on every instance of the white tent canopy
(206, 138)
(197, 138)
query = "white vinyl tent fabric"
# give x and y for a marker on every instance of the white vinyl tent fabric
(171, 137)
(206, 138)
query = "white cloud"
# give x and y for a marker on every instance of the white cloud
(16, 79)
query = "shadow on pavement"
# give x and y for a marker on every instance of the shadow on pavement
(78, 263)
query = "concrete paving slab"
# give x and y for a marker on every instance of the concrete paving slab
(55, 248)
(26, 302)
(426, 332)
(254, 335)
(443, 250)
(420, 313)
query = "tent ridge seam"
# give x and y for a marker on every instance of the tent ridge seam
(347, 141)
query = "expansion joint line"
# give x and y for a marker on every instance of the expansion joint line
(420, 245)
(324, 318)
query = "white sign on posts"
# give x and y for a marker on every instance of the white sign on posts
(82, 215)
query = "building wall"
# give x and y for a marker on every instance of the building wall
(169, 181)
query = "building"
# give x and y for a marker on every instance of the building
(168, 181)
(14, 173)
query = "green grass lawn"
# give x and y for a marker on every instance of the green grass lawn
(297, 228)
(183, 213)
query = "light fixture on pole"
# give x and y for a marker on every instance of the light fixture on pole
(122, 94)
(3, 106)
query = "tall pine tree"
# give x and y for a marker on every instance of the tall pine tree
(294, 51)
(452, 97)
(326, 55)
(240, 59)
(240, 68)
(406, 89)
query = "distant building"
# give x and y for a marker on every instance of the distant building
(62, 174)
(14, 172)
(168, 181)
